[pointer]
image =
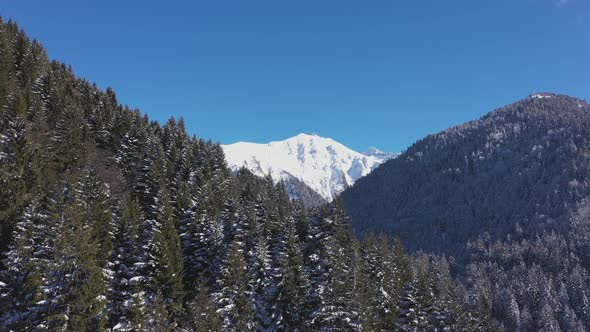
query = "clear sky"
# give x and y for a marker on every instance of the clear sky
(366, 73)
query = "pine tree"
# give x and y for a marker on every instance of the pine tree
(15, 158)
(101, 118)
(513, 312)
(384, 280)
(124, 311)
(288, 305)
(259, 276)
(338, 308)
(188, 228)
(129, 155)
(68, 137)
(203, 316)
(22, 280)
(78, 283)
(6, 62)
(151, 193)
(165, 250)
(156, 317)
(417, 300)
(43, 169)
(236, 309)
(579, 294)
(93, 200)
(150, 177)
(546, 321)
(203, 243)
(369, 318)
(318, 253)
(87, 298)
(481, 317)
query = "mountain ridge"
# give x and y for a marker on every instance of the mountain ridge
(454, 185)
(324, 165)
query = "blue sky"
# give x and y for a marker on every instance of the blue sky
(366, 73)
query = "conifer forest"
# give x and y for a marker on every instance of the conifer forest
(110, 221)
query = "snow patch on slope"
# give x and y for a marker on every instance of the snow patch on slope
(541, 96)
(373, 151)
(323, 164)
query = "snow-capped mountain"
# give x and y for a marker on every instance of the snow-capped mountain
(324, 165)
(373, 151)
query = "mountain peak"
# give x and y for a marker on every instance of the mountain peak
(374, 152)
(541, 95)
(550, 96)
(309, 137)
(326, 166)
(305, 135)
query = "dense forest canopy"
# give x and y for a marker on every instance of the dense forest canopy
(110, 221)
(522, 166)
(507, 196)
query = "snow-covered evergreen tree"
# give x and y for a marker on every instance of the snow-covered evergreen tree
(76, 285)
(22, 281)
(203, 315)
(15, 160)
(289, 292)
(124, 309)
(338, 307)
(92, 197)
(165, 258)
(235, 307)
(417, 301)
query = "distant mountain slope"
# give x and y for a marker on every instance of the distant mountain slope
(322, 164)
(521, 169)
(374, 152)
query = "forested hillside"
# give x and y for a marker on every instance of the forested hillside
(110, 221)
(507, 197)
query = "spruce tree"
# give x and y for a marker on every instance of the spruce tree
(92, 197)
(288, 309)
(77, 283)
(129, 155)
(165, 251)
(6, 62)
(203, 316)
(22, 284)
(68, 136)
(86, 298)
(203, 242)
(383, 280)
(123, 289)
(338, 309)
(318, 253)
(15, 159)
(155, 316)
(236, 309)
(259, 276)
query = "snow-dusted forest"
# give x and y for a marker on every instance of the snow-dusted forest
(112, 222)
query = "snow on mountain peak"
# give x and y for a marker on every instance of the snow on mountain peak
(373, 151)
(324, 165)
(541, 96)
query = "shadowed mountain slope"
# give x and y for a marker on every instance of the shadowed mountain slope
(520, 169)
